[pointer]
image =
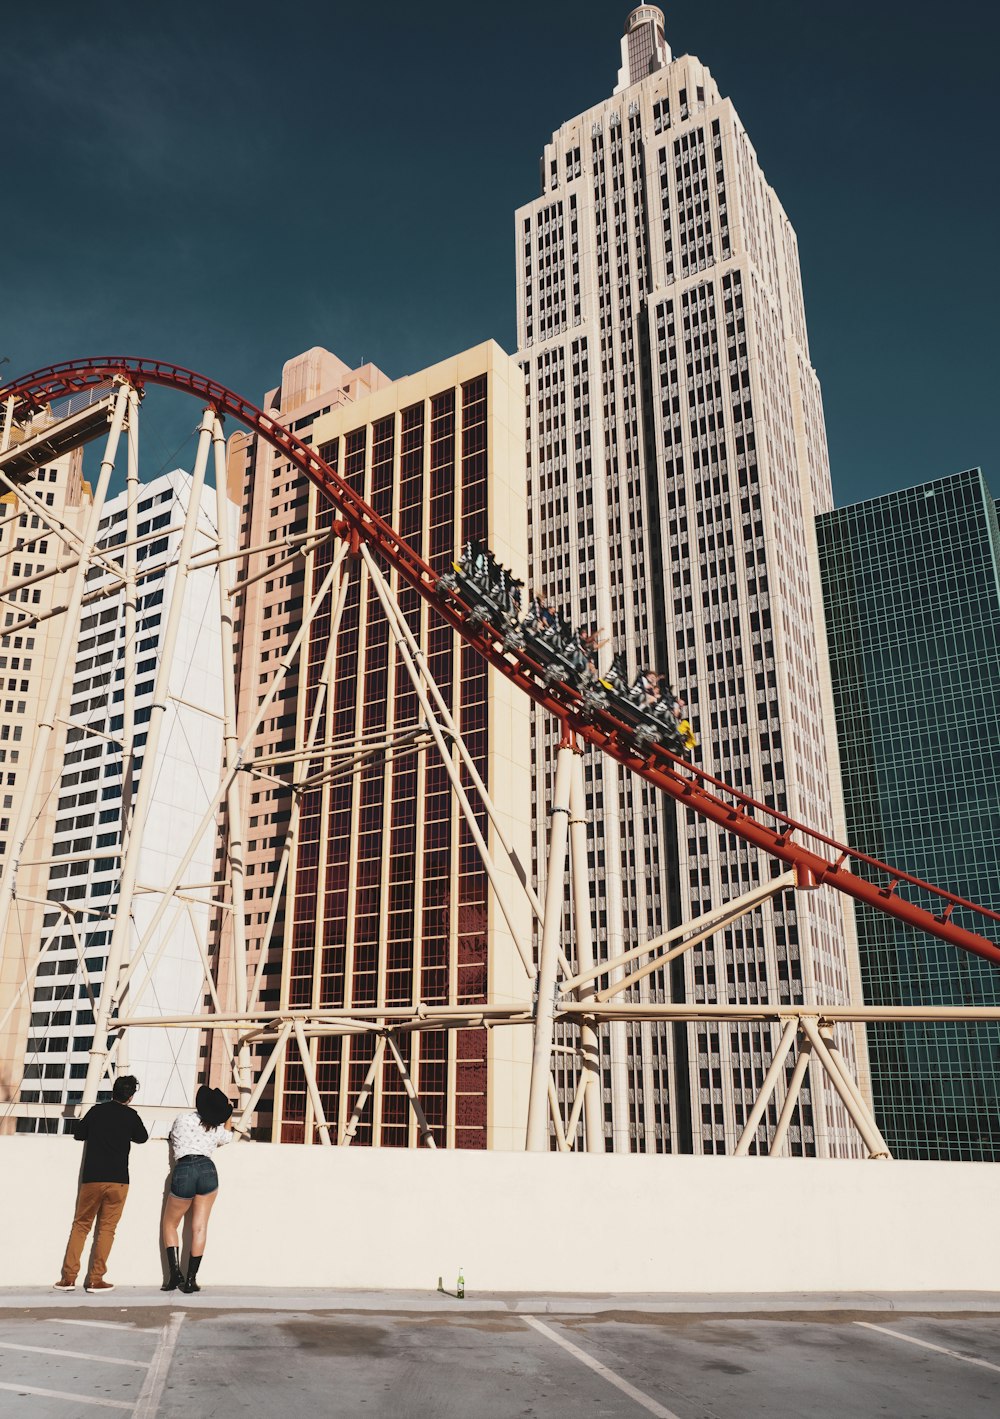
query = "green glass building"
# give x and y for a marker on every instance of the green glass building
(911, 585)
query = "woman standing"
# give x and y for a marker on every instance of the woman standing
(194, 1137)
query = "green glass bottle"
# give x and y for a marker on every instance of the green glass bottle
(460, 1290)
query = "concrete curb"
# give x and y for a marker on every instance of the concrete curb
(799, 1304)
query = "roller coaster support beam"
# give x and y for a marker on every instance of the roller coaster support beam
(367, 1084)
(119, 946)
(791, 1093)
(851, 1100)
(537, 1134)
(130, 603)
(210, 986)
(828, 1036)
(446, 718)
(555, 1113)
(234, 810)
(590, 1080)
(263, 1079)
(698, 1011)
(702, 926)
(31, 970)
(63, 656)
(385, 596)
(219, 793)
(840, 1076)
(299, 774)
(309, 1070)
(766, 1089)
(130, 593)
(75, 542)
(423, 1127)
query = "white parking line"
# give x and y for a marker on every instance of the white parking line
(156, 1377)
(644, 1399)
(109, 1325)
(72, 1354)
(61, 1394)
(926, 1345)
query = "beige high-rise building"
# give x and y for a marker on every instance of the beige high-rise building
(28, 664)
(677, 458)
(387, 900)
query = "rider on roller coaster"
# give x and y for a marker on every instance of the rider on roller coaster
(568, 653)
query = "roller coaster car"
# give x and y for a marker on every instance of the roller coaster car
(491, 593)
(493, 596)
(653, 722)
(550, 640)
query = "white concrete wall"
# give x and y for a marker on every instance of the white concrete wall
(358, 1217)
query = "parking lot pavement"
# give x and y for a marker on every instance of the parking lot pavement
(63, 1366)
(790, 1368)
(437, 1361)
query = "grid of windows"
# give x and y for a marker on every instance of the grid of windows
(912, 589)
(676, 456)
(384, 860)
(95, 786)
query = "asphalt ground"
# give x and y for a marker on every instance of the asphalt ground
(243, 1355)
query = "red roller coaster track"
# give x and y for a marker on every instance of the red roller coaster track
(816, 858)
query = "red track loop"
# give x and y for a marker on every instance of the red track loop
(815, 857)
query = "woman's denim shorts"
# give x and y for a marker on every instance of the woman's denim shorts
(193, 1175)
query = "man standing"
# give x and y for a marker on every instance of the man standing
(109, 1130)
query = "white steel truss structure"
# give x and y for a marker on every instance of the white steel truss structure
(582, 996)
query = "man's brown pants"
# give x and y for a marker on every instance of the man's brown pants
(105, 1201)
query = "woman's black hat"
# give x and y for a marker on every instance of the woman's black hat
(213, 1106)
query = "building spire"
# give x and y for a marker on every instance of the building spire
(644, 47)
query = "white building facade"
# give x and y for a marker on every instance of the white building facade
(677, 457)
(96, 792)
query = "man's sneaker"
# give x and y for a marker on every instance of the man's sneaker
(95, 1288)
(61, 1285)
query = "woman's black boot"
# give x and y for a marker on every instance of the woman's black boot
(176, 1277)
(189, 1285)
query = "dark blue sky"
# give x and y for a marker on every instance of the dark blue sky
(226, 184)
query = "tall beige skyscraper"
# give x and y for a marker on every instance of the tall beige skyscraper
(677, 457)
